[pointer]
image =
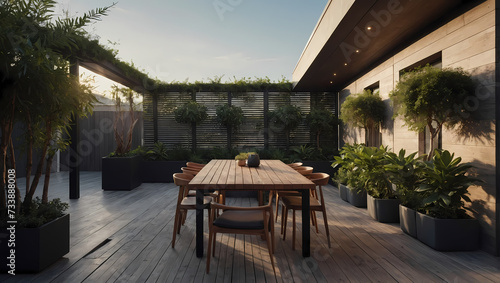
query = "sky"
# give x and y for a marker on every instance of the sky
(198, 40)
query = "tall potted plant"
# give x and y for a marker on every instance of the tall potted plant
(431, 98)
(364, 110)
(442, 222)
(38, 92)
(120, 170)
(230, 117)
(192, 113)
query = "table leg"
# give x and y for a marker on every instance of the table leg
(199, 223)
(306, 224)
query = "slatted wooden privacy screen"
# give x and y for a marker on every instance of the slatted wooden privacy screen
(256, 131)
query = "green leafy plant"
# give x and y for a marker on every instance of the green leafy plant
(405, 172)
(287, 118)
(351, 174)
(371, 161)
(159, 151)
(40, 212)
(364, 110)
(445, 184)
(321, 122)
(305, 152)
(431, 97)
(229, 116)
(192, 113)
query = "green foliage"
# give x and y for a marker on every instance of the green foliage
(321, 121)
(191, 113)
(406, 173)
(305, 152)
(40, 213)
(432, 97)
(241, 156)
(158, 152)
(371, 161)
(286, 118)
(349, 172)
(445, 186)
(363, 110)
(229, 116)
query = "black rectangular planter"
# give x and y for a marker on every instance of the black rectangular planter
(448, 234)
(343, 191)
(121, 173)
(408, 220)
(355, 198)
(383, 210)
(160, 171)
(36, 248)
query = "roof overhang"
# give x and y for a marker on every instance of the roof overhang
(342, 46)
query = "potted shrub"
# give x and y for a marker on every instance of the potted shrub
(341, 180)
(356, 193)
(230, 117)
(286, 118)
(430, 98)
(364, 110)
(443, 223)
(192, 113)
(36, 81)
(382, 203)
(121, 169)
(241, 158)
(405, 173)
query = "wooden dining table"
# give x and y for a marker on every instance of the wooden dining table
(222, 174)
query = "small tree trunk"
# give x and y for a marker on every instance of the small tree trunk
(318, 133)
(193, 137)
(48, 165)
(12, 161)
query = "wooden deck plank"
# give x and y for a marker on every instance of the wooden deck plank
(140, 222)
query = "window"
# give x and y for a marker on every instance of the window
(374, 137)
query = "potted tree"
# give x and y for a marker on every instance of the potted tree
(191, 113)
(364, 110)
(121, 169)
(321, 122)
(431, 98)
(230, 117)
(286, 118)
(38, 93)
(442, 221)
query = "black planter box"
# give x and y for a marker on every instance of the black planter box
(355, 198)
(36, 248)
(160, 171)
(383, 210)
(121, 173)
(408, 220)
(448, 234)
(343, 191)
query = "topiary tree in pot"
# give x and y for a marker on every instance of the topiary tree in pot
(431, 97)
(364, 110)
(191, 113)
(321, 122)
(288, 118)
(230, 117)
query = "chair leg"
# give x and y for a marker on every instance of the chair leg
(314, 220)
(293, 230)
(269, 248)
(284, 221)
(175, 228)
(326, 229)
(277, 205)
(209, 251)
(213, 245)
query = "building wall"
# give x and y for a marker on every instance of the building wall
(467, 41)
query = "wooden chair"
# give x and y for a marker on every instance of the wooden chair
(256, 220)
(295, 203)
(296, 164)
(304, 170)
(184, 202)
(190, 170)
(195, 165)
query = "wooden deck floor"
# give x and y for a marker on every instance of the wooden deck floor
(132, 232)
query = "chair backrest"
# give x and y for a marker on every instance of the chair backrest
(320, 179)
(194, 165)
(189, 170)
(182, 179)
(304, 170)
(296, 164)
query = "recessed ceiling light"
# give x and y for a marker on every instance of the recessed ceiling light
(357, 50)
(331, 82)
(345, 64)
(368, 27)
(334, 74)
